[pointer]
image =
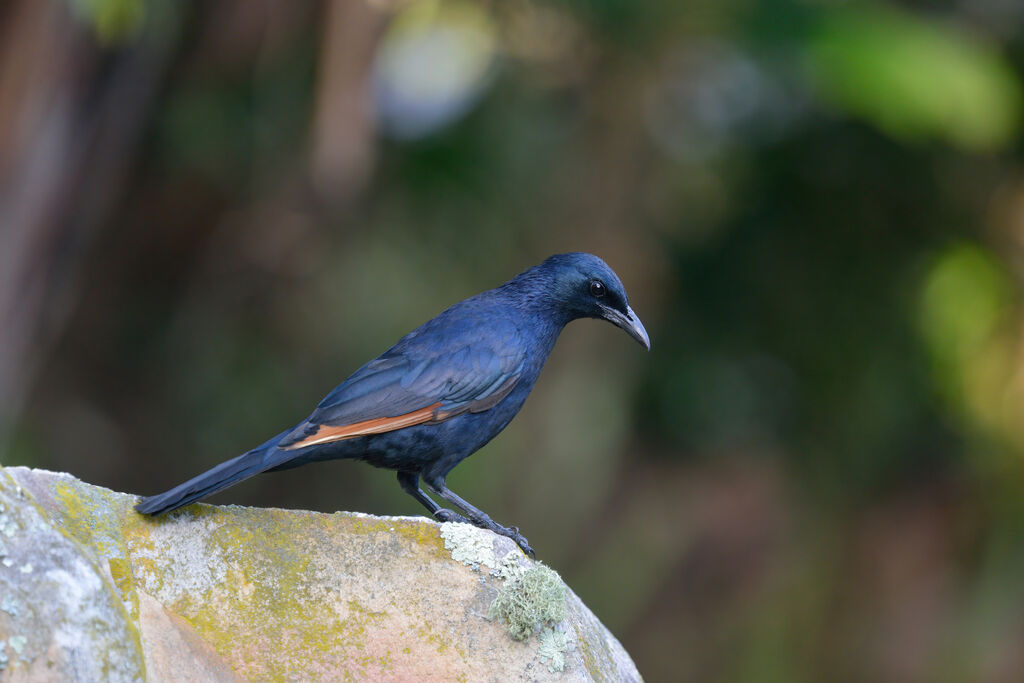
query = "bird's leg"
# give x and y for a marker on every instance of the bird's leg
(410, 483)
(476, 516)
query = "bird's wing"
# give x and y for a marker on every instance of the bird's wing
(400, 390)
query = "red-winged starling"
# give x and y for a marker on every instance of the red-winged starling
(442, 391)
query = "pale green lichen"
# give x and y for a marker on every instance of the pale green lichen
(8, 527)
(17, 643)
(531, 596)
(510, 568)
(10, 605)
(553, 647)
(529, 601)
(469, 545)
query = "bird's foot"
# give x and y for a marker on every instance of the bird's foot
(444, 515)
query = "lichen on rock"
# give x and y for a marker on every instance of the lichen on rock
(468, 544)
(531, 598)
(526, 602)
(59, 612)
(553, 647)
(93, 591)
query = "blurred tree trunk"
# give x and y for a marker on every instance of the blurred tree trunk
(343, 128)
(70, 118)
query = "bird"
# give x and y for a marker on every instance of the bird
(441, 392)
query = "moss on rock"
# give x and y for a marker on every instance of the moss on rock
(228, 593)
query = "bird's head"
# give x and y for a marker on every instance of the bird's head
(583, 286)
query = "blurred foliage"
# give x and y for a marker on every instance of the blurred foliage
(964, 301)
(114, 21)
(914, 78)
(818, 210)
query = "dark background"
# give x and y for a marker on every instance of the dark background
(211, 213)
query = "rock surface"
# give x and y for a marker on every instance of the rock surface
(90, 590)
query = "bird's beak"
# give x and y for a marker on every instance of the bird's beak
(628, 322)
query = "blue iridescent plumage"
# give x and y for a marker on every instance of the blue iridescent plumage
(442, 391)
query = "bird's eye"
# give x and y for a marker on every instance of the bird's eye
(598, 289)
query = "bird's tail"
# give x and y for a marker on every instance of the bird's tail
(259, 459)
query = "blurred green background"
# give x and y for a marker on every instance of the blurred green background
(212, 212)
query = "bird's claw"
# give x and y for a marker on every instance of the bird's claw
(521, 542)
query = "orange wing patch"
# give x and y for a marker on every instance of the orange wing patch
(378, 425)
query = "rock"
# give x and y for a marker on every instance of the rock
(93, 591)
